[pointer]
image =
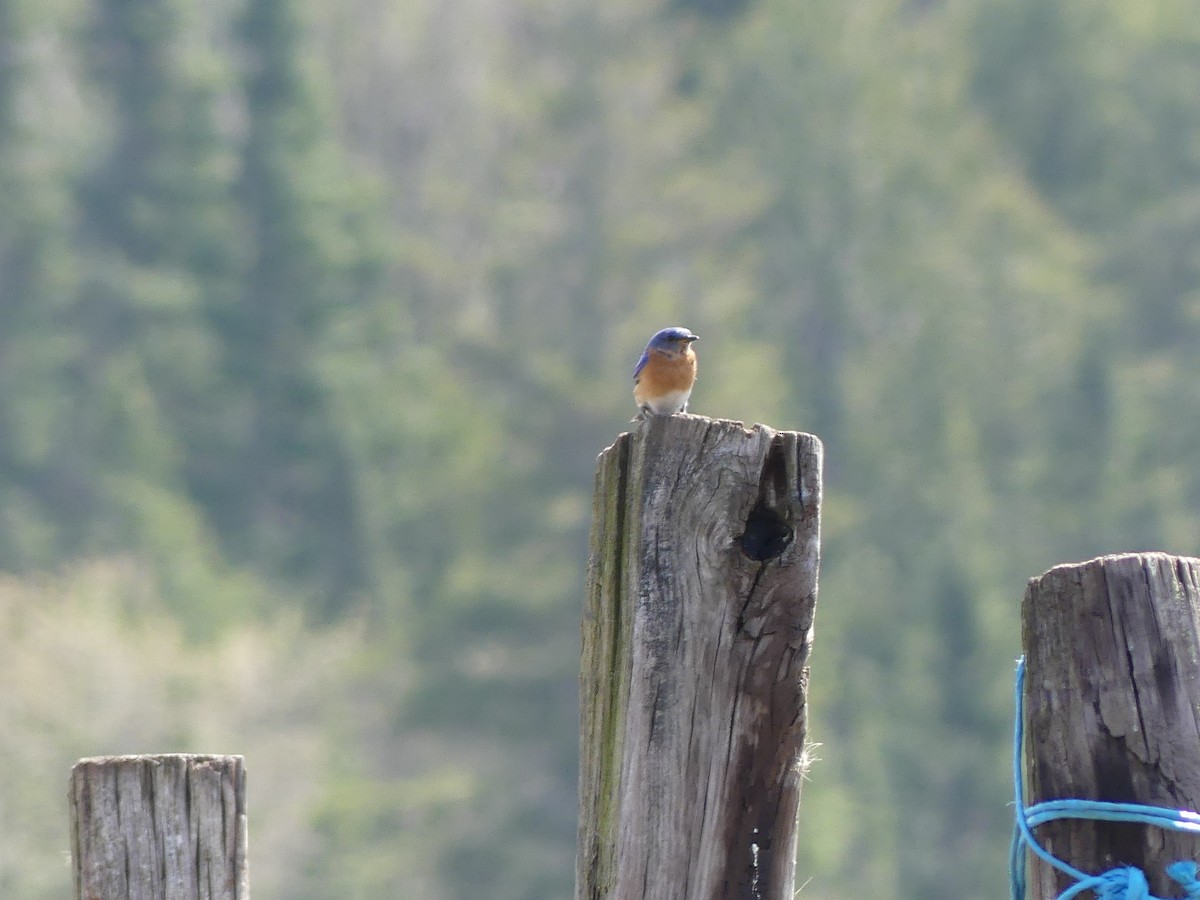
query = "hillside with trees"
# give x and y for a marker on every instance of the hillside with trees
(314, 317)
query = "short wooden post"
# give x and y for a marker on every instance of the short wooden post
(169, 827)
(702, 583)
(1112, 709)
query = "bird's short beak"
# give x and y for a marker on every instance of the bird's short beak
(692, 337)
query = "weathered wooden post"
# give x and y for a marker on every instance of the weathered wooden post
(702, 583)
(169, 827)
(1112, 709)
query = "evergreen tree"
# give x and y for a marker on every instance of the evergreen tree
(40, 497)
(289, 503)
(160, 245)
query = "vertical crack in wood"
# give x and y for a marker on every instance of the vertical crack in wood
(157, 839)
(750, 595)
(776, 613)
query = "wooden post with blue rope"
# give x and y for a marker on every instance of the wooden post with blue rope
(702, 581)
(1111, 697)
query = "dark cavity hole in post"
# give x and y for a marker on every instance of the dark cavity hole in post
(767, 534)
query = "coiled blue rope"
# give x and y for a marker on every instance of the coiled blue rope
(1122, 883)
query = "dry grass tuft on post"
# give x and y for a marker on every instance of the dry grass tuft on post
(702, 583)
(1112, 710)
(169, 827)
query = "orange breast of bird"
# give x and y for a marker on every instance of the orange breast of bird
(664, 375)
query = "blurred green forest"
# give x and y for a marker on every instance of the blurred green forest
(313, 319)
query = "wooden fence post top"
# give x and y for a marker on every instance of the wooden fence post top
(1112, 708)
(164, 826)
(688, 426)
(702, 582)
(1118, 563)
(777, 473)
(216, 760)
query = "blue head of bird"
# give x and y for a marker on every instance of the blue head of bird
(672, 340)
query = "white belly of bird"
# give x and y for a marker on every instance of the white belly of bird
(668, 403)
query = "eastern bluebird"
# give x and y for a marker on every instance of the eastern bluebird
(663, 379)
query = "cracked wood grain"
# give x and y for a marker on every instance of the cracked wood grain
(1112, 708)
(170, 827)
(702, 582)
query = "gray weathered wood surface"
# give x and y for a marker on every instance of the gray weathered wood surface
(1112, 708)
(169, 827)
(693, 676)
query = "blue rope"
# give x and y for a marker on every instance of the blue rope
(1121, 883)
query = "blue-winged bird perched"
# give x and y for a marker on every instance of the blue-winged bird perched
(663, 379)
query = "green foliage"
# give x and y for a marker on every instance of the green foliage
(94, 664)
(313, 312)
(309, 253)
